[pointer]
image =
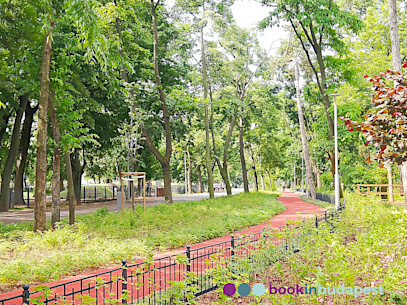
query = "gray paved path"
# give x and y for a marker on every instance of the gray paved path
(28, 214)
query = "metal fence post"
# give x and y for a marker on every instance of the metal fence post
(124, 280)
(26, 294)
(316, 221)
(28, 197)
(232, 245)
(95, 194)
(84, 194)
(188, 252)
(113, 192)
(105, 193)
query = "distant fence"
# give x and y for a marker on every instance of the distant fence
(151, 282)
(320, 196)
(381, 190)
(89, 193)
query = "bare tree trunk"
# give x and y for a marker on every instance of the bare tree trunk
(207, 136)
(223, 167)
(395, 52)
(390, 181)
(23, 153)
(4, 122)
(263, 185)
(189, 172)
(270, 180)
(256, 183)
(167, 182)
(317, 175)
(40, 223)
(11, 157)
(56, 165)
(242, 159)
(71, 191)
(77, 172)
(199, 179)
(303, 135)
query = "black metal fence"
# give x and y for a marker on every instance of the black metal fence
(320, 196)
(159, 281)
(89, 193)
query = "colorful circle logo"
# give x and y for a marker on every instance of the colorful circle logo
(229, 289)
(244, 289)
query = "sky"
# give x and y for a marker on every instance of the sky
(247, 14)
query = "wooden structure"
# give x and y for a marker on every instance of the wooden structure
(133, 176)
(380, 189)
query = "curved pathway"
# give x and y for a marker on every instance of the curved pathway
(295, 208)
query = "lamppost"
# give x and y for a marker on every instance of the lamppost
(336, 176)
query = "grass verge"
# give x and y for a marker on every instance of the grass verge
(104, 238)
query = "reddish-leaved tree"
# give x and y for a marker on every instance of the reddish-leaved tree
(385, 125)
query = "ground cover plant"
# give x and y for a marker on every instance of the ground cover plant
(367, 249)
(103, 238)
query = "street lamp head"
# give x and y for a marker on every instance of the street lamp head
(334, 94)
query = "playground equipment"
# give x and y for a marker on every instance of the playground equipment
(133, 176)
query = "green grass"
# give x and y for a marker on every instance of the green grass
(104, 238)
(325, 205)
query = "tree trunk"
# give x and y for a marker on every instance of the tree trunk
(225, 177)
(41, 170)
(317, 175)
(56, 165)
(256, 183)
(395, 52)
(164, 160)
(189, 172)
(242, 158)
(199, 179)
(303, 135)
(11, 157)
(263, 185)
(167, 182)
(4, 122)
(77, 172)
(270, 180)
(390, 182)
(71, 190)
(394, 36)
(206, 120)
(23, 153)
(223, 167)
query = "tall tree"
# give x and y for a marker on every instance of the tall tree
(304, 140)
(41, 170)
(56, 164)
(23, 153)
(11, 158)
(163, 159)
(318, 25)
(396, 58)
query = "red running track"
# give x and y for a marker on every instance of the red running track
(144, 279)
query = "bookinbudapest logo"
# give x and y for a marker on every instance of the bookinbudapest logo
(259, 289)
